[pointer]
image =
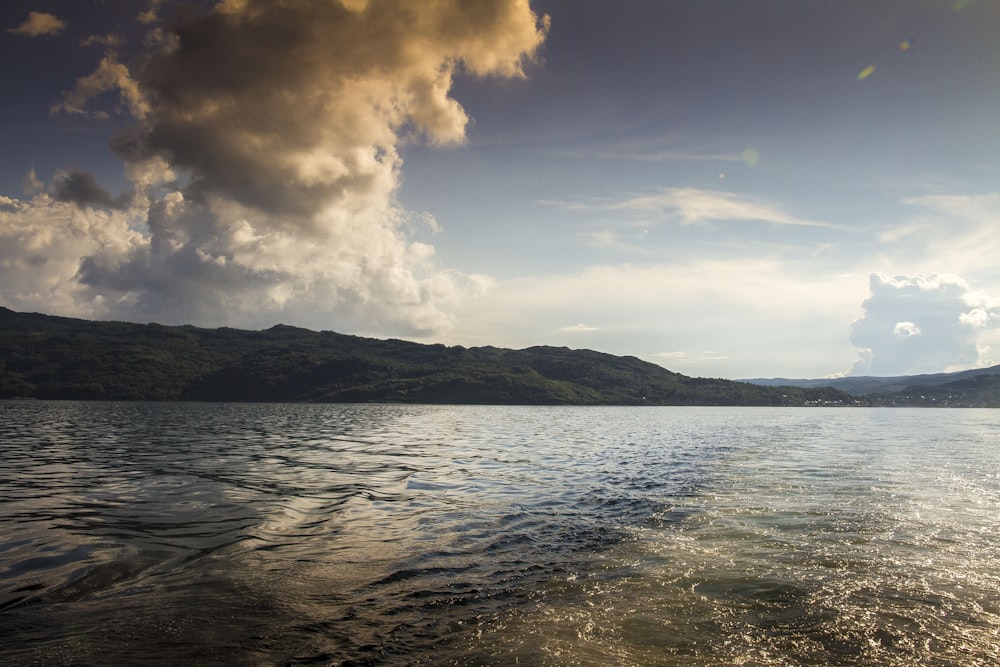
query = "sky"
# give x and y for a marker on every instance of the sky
(769, 188)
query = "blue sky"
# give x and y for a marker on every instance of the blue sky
(729, 189)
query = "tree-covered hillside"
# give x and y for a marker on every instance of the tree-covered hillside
(975, 388)
(981, 390)
(62, 358)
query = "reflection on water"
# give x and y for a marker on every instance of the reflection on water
(318, 535)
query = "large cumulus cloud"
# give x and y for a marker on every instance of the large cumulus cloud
(265, 160)
(922, 324)
(42, 242)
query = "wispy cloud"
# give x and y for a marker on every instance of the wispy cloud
(688, 358)
(693, 206)
(947, 233)
(579, 328)
(690, 308)
(643, 154)
(983, 208)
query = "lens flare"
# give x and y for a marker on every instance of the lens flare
(866, 72)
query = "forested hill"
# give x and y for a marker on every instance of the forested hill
(62, 358)
(975, 388)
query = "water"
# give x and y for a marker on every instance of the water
(224, 534)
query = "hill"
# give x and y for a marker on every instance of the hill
(979, 387)
(49, 357)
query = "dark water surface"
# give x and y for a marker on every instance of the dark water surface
(227, 534)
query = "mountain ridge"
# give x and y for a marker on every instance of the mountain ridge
(45, 356)
(874, 384)
(976, 387)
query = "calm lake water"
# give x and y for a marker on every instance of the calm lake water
(227, 534)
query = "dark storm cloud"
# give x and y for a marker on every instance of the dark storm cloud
(82, 189)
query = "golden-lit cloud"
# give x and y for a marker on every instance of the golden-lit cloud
(110, 76)
(39, 24)
(264, 162)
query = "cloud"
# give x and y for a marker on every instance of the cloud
(82, 189)
(969, 207)
(922, 324)
(977, 318)
(579, 328)
(265, 164)
(648, 149)
(41, 244)
(151, 13)
(109, 76)
(906, 329)
(39, 24)
(693, 206)
(321, 94)
(31, 184)
(948, 231)
(687, 307)
(681, 359)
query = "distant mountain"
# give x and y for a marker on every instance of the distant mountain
(50, 357)
(979, 387)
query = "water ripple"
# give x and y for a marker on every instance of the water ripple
(319, 535)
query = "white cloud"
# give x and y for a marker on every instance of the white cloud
(971, 207)
(921, 324)
(38, 24)
(947, 231)
(906, 329)
(41, 244)
(685, 359)
(579, 328)
(603, 238)
(644, 150)
(672, 356)
(689, 307)
(975, 318)
(694, 206)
